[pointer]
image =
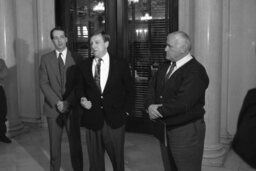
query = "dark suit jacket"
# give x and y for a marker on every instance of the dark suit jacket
(50, 82)
(244, 142)
(182, 95)
(117, 99)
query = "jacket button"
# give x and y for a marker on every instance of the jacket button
(161, 97)
(101, 107)
(101, 97)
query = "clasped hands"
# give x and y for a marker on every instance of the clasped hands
(62, 106)
(85, 103)
(153, 112)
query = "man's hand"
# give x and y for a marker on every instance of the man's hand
(153, 112)
(62, 106)
(85, 103)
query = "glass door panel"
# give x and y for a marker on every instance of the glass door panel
(148, 25)
(86, 16)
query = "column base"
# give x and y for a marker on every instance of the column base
(226, 139)
(16, 128)
(31, 120)
(214, 155)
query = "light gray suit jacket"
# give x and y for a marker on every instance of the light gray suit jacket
(50, 82)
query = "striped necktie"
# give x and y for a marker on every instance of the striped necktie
(170, 70)
(62, 73)
(97, 73)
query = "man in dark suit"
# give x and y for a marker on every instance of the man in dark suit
(176, 96)
(3, 103)
(106, 92)
(244, 142)
(57, 80)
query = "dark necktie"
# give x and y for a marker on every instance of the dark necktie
(97, 73)
(62, 118)
(62, 72)
(171, 68)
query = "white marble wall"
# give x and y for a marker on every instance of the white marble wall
(239, 60)
(34, 21)
(7, 50)
(24, 35)
(26, 54)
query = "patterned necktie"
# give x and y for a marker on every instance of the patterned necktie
(171, 68)
(97, 73)
(62, 74)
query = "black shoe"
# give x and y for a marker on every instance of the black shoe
(5, 139)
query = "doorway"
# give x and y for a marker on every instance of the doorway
(138, 30)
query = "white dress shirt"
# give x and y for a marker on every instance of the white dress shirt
(104, 70)
(63, 54)
(181, 62)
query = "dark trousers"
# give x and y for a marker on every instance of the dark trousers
(109, 140)
(3, 111)
(55, 136)
(184, 151)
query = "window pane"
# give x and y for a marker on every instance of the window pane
(86, 17)
(148, 27)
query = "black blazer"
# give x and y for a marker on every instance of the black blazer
(114, 103)
(244, 142)
(182, 95)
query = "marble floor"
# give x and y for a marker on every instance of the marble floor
(29, 152)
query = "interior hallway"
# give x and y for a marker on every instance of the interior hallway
(29, 152)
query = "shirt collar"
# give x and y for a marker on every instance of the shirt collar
(64, 53)
(104, 58)
(183, 60)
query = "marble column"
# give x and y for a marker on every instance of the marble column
(27, 57)
(7, 52)
(208, 50)
(46, 21)
(34, 20)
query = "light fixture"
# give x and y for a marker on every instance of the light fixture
(99, 7)
(146, 17)
(133, 1)
(141, 32)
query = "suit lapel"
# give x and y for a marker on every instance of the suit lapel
(110, 73)
(164, 70)
(161, 75)
(69, 60)
(55, 66)
(88, 74)
(87, 70)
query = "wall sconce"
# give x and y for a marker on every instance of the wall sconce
(141, 32)
(146, 17)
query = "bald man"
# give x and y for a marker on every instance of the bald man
(176, 96)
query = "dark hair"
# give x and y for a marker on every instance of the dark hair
(57, 28)
(106, 37)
